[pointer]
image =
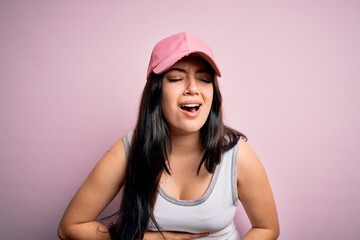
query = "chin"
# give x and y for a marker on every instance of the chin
(190, 128)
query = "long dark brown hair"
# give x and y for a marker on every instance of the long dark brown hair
(148, 158)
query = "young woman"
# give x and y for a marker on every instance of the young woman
(183, 171)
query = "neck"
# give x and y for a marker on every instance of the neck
(183, 144)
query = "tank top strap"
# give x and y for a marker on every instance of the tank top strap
(127, 141)
(234, 162)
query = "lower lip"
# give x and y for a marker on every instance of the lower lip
(191, 114)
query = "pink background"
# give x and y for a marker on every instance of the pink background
(71, 73)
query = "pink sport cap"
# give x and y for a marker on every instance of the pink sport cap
(171, 49)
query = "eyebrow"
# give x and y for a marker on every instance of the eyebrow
(184, 71)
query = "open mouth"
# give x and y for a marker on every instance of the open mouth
(190, 107)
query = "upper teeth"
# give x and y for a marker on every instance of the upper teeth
(191, 105)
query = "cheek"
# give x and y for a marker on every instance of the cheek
(209, 99)
(165, 109)
(209, 93)
(167, 104)
(164, 106)
(170, 95)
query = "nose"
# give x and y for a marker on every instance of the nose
(191, 86)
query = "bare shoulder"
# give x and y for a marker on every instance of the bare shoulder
(107, 176)
(246, 155)
(250, 170)
(116, 152)
(112, 165)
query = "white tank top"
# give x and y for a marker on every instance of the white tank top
(213, 212)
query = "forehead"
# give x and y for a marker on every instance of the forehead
(193, 61)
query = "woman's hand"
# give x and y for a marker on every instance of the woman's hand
(151, 235)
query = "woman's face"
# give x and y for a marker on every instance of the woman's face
(187, 95)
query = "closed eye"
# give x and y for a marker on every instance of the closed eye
(174, 79)
(204, 76)
(205, 80)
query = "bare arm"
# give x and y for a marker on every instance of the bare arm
(97, 191)
(255, 193)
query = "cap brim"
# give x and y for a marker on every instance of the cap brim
(167, 63)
